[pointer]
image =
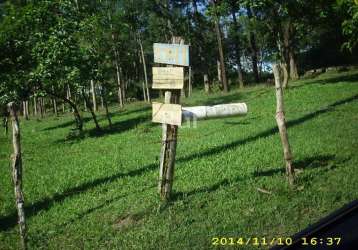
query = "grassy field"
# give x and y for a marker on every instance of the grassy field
(99, 191)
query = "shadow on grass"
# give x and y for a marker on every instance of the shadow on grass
(269, 132)
(333, 80)
(133, 111)
(319, 161)
(104, 204)
(9, 221)
(100, 118)
(328, 80)
(118, 127)
(226, 182)
(325, 162)
(235, 97)
(67, 124)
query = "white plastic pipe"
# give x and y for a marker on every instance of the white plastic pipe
(203, 112)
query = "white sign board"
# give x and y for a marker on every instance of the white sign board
(166, 113)
(168, 78)
(175, 54)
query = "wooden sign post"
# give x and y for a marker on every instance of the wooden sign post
(171, 79)
(170, 113)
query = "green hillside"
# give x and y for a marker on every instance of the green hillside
(99, 190)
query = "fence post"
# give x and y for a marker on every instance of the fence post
(16, 163)
(281, 123)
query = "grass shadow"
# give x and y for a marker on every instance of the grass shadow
(319, 161)
(104, 204)
(10, 220)
(100, 117)
(225, 182)
(117, 127)
(271, 131)
(328, 80)
(67, 124)
(333, 80)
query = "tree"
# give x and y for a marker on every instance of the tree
(216, 18)
(350, 24)
(233, 10)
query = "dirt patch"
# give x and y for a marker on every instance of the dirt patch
(126, 221)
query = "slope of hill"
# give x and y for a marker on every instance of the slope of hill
(99, 190)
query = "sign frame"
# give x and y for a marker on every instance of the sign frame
(168, 77)
(173, 54)
(167, 113)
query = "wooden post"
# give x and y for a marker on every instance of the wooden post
(168, 151)
(17, 172)
(280, 119)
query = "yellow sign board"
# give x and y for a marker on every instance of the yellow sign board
(167, 113)
(168, 77)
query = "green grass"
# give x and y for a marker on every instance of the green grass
(99, 191)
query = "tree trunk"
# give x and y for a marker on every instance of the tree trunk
(168, 151)
(293, 65)
(206, 84)
(203, 63)
(44, 105)
(218, 67)
(119, 84)
(41, 107)
(190, 87)
(280, 119)
(124, 86)
(5, 124)
(55, 107)
(288, 49)
(17, 173)
(35, 106)
(89, 107)
(54, 103)
(76, 113)
(144, 93)
(102, 102)
(253, 47)
(285, 74)
(116, 64)
(24, 111)
(145, 71)
(107, 112)
(237, 44)
(221, 55)
(93, 91)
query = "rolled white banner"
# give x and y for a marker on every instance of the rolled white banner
(221, 110)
